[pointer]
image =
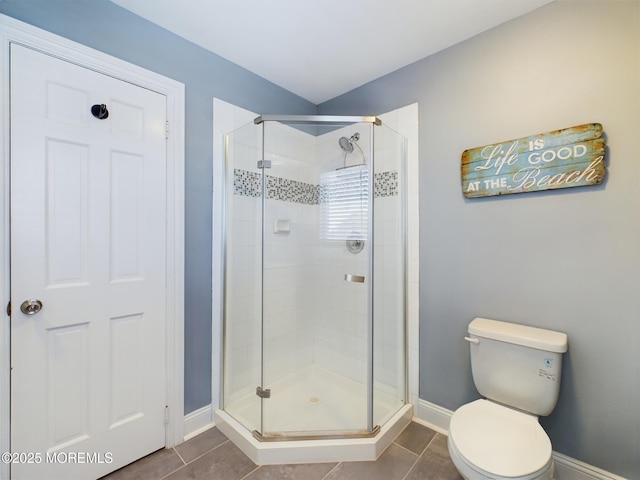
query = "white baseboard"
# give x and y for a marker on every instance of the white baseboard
(566, 468)
(433, 416)
(198, 421)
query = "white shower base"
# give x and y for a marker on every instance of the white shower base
(314, 401)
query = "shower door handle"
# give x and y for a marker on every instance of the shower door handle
(354, 278)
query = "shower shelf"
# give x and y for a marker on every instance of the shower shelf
(281, 225)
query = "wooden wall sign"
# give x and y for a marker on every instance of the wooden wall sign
(571, 157)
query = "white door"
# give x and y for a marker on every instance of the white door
(88, 215)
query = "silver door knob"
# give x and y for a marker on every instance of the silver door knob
(31, 307)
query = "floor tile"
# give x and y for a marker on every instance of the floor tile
(225, 462)
(393, 464)
(315, 471)
(415, 438)
(435, 463)
(153, 466)
(201, 444)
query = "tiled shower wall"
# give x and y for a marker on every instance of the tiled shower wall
(288, 262)
(312, 316)
(340, 326)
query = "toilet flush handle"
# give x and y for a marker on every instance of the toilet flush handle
(472, 340)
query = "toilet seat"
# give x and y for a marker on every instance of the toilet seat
(498, 441)
(472, 472)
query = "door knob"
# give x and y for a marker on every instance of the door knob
(31, 307)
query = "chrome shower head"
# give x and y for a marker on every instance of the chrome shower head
(346, 144)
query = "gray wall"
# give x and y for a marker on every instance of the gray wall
(566, 260)
(107, 27)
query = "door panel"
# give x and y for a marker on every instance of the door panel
(66, 217)
(88, 209)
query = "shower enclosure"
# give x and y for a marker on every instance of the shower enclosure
(314, 277)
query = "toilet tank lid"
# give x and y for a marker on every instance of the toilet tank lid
(533, 337)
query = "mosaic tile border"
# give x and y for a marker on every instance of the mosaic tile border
(249, 184)
(291, 190)
(385, 184)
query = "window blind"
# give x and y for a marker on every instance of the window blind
(344, 204)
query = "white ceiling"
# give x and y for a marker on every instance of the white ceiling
(319, 49)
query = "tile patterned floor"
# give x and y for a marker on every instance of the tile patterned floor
(417, 453)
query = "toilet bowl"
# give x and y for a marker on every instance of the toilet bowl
(517, 369)
(491, 441)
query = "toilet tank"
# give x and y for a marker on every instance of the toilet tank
(517, 365)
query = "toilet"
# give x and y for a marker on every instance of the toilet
(516, 368)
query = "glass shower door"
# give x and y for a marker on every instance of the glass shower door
(316, 292)
(243, 276)
(389, 351)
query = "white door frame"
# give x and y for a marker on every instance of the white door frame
(14, 31)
